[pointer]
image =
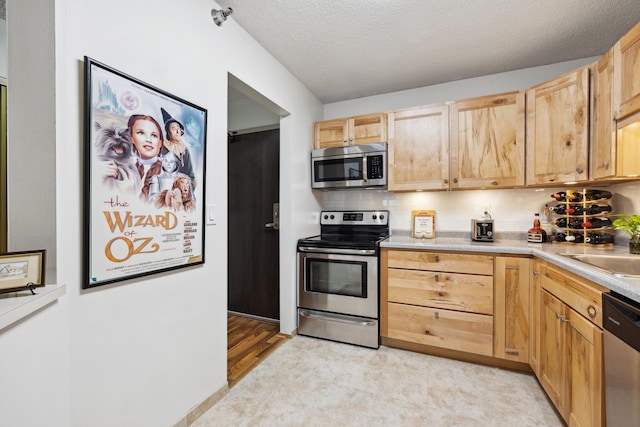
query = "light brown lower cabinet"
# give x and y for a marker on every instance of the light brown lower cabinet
(570, 364)
(465, 305)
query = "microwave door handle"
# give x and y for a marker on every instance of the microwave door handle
(364, 168)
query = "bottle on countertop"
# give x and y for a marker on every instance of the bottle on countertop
(536, 234)
(545, 223)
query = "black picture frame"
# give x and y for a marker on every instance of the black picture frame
(144, 178)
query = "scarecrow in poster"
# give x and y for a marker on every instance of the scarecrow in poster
(147, 174)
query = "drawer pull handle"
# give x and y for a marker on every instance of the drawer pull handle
(591, 311)
(437, 277)
(437, 258)
(437, 315)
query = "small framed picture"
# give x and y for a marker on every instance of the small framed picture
(423, 224)
(21, 270)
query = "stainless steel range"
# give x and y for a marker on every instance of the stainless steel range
(338, 277)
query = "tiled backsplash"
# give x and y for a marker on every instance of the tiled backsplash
(512, 210)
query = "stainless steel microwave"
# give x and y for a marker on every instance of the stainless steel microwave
(353, 166)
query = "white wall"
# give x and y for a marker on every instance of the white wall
(3, 48)
(512, 209)
(147, 351)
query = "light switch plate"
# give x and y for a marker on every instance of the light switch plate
(211, 214)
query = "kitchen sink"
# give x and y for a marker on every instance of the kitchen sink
(618, 265)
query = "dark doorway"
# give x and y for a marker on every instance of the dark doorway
(253, 248)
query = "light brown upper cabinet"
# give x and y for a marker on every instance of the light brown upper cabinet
(626, 69)
(368, 128)
(603, 136)
(419, 149)
(487, 141)
(558, 129)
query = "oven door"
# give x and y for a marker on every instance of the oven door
(338, 283)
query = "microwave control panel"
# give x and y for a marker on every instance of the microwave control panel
(375, 167)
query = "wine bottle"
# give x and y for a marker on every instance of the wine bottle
(597, 223)
(577, 210)
(575, 238)
(559, 209)
(560, 196)
(599, 238)
(560, 222)
(597, 209)
(535, 233)
(571, 223)
(597, 194)
(559, 237)
(574, 196)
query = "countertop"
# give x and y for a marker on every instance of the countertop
(627, 286)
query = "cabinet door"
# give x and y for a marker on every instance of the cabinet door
(553, 349)
(626, 69)
(368, 129)
(585, 403)
(487, 141)
(419, 149)
(331, 133)
(511, 313)
(603, 134)
(557, 129)
(534, 334)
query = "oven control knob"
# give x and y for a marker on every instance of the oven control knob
(381, 216)
(375, 216)
(332, 217)
(326, 217)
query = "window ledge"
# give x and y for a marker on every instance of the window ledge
(15, 306)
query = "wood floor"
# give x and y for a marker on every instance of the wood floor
(249, 342)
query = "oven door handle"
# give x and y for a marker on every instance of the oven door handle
(337, 318)
(337, 251)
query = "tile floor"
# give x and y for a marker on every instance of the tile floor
(312, 382)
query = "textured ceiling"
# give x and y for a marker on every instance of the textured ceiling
(353, 48)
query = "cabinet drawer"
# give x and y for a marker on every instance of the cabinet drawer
(583, 296)
(462, 292)
(435, 261)
(454, 330)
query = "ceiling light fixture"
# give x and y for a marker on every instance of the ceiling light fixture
(219, 16)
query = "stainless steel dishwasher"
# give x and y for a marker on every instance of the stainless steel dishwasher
(621, 360)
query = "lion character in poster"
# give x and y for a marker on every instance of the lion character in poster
(178, 197)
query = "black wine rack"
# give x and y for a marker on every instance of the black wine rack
(582, 234)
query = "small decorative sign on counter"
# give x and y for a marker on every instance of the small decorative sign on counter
(423, 224)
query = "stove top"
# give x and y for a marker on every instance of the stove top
(350, 230)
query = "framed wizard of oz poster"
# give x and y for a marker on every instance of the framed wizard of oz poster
(144, 178)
